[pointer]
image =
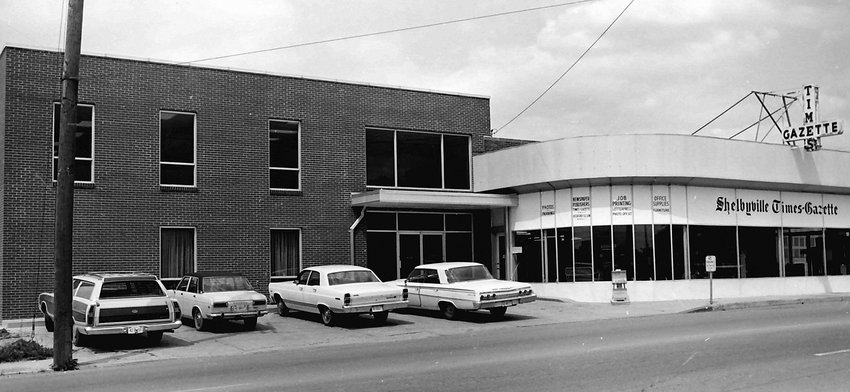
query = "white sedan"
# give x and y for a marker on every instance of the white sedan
(338, 289)
(219, 295)
(461, 286)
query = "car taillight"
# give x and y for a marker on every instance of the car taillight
(347, 299)
(90, 316)
(404, 294)
(177, 313)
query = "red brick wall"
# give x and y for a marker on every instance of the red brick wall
(118, 219)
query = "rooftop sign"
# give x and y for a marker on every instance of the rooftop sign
(812, 129)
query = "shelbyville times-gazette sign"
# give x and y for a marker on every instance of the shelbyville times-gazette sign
(774, 206)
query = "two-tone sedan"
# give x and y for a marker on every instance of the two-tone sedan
(332, 290)
(219, 295)
(462, 286)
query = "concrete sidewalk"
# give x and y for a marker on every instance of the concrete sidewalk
(302, 330)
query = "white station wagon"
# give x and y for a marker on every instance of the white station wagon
(460, 286)
(338, 289)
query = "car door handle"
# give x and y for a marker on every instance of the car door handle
(314, 290)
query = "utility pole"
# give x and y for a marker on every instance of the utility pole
(63, 252)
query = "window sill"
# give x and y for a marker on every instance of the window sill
(79, 185)
(281, 192)
(173, 188)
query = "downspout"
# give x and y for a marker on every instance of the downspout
(351, 231)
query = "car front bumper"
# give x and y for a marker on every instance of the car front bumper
(372, 308)
(132, 329)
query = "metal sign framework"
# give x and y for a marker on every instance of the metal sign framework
(787, 100)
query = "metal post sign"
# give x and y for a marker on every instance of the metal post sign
(710, 264)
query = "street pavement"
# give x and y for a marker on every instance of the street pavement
(302, 330)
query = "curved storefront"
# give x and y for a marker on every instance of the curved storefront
(776, 218)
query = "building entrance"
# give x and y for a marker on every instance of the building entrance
(418, 248)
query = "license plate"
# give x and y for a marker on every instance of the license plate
(242, 307)
(135, 330)
(378, 308)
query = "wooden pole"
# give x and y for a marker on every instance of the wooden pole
(63, 252)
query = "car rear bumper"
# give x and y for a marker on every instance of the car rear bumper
(372, 308)
(130, 329)
(238, 315)
(498, 303)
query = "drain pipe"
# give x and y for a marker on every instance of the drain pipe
(351, 231)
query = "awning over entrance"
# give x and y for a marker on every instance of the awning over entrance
(392, 198)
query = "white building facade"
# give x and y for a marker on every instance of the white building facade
(776, 218)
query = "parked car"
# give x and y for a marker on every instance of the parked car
(462, 286)
(219, 295)
(116, 303)
(338, 289)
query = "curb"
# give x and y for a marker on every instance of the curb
(767, 303)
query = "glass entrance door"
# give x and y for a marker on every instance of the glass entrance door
(418, 248)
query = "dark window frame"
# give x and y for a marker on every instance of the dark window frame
(57, 106)
(285, 169)
(193, 164)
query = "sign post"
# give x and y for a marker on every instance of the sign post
(710, 267)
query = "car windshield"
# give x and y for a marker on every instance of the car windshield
(132, 288)
(213, 284)
(464, 274)
(346, 277)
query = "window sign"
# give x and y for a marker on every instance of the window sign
(581, 206)
(621, 205)
(547, 210)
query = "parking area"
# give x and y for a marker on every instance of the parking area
(302, 330)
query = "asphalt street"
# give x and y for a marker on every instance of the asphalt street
(779, 348)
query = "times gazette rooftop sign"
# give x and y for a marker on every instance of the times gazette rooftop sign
(812, 129)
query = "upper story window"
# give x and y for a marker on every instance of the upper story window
(406, 159)
(284, 155)
(84, 136)
(176, 148)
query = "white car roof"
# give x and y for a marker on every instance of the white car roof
(326, 269)
(447, 265)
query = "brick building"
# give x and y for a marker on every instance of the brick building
(181, 168)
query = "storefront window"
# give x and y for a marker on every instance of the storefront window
(803, 251)
(837, 251)
(759, 252)
(663, 260)
(529, 262)
(680, 239)
(624, 250)
(643, 253)
(718, 241)
(601, 253)
(583, 254)
(551, 256)
(565, 255)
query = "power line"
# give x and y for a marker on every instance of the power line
(429, 25)
(568, 69)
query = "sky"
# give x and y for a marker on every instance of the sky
(666, 66)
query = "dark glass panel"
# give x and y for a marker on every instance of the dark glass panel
(718, 241)
(602, 253)
(381, 255)
(565, 254)
(803, 252)
(458, 222)
(456, 158)
(459, 247)
(663, 255)
(380, 220)
(583, 254)
(529, 262)
(679, 240)
(283, 179)
(380, 161)
(424, 222)
(176, 174)
(837, 251)
(419, 160)
(177, 143)
(624, 250)
(643, 253)
(82, 170)
(759, 256)
(551, 256)
(283, 144)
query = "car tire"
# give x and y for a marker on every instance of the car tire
(328, 317)
(200, 323)
(78, 339)
(381, 317)
(48, 323)
(450, 312)
(498, 312)
(154, 337)
(282, 310)
(250, 323)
